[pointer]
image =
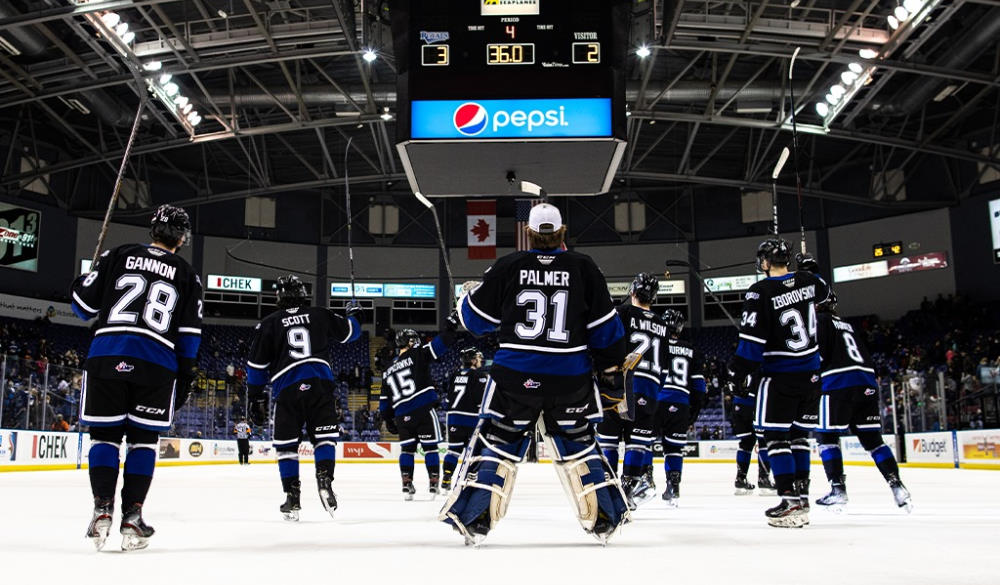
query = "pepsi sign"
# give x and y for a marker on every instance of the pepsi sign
(486, 119)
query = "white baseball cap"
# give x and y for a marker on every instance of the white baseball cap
(545, 218)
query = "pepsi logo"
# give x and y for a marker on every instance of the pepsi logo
(470, 118)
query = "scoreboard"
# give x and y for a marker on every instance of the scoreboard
(487, 88)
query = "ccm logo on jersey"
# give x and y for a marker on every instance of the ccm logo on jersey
(123, 368)
(327, 428)
(149, 409)
(531, 384)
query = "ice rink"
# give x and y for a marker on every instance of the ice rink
(220, 524)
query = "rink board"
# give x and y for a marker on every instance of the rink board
(36, 450)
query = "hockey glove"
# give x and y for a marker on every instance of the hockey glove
(390, 425)
(353, 309)
(806, 262)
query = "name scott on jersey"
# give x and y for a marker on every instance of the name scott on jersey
(150, 265)
(545, 278)
(794, 296)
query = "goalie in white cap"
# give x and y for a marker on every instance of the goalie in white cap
(556, 325)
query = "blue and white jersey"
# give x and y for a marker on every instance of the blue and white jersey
(407, 385)
(554, 316)
(148, 306)
(646, 334)
(846, 362)
(682, 373)
(465, 396)
(778, 326)
(292, 345)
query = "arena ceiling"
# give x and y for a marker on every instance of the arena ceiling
(280, 86)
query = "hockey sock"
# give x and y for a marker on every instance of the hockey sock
(885, 461)
(742, 462)
(432, 460)
(632, 466)
(832, 457)
(406, 464)
(326, 457)
(764, 458)
(288, 468)
(103, 469)
(673, 462)
(450, 463)
(611, 454)
(782, 465)
(139, 464)
(800, 453)
(647, 460)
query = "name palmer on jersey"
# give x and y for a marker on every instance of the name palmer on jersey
(544, 277)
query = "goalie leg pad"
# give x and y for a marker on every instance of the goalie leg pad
(590, 484)
(481, 496)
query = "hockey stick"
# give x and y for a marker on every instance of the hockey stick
(795, 150)
(774, 189)
(350, 218)
(118, 180)
(444, 251)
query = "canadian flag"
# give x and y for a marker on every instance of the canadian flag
(481, 223)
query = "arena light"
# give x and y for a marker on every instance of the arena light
(643, 52)
(822, 109)
(848, 77)
(893, 21)
(121, 28)
(901, 13)
(128, 37)
(868, 54)
(833, 99)
(838, 90)
(386, 116)
(111, 19)
(165, 78)
(186, 109)
(369, 55)
(855, 67)
(913, 5)
(181, 101)
(152, 66)
(171, 89)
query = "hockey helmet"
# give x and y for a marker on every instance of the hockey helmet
(291, 292)
(469, 356)
(644, 287)
(829, 304)
(407, 338)
(674, 320)
(170, 225)
(776, 251)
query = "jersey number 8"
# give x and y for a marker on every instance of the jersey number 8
(159, 307)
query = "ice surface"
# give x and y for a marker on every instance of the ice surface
(220, 524)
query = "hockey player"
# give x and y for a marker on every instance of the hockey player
(556, 322)
(148, 305)
(647, 335)
(778, 335)
(289, 349)
(850, 403)
(408, 402)
(465, 396)
(682, 378)
(744, 403)
(242, 431)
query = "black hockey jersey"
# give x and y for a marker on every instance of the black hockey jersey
(646, 333)
(407, 384)
(846, 362)
(465, 396)
(778, 326)
(682, 372)
(291, 345)
(555, 319)
(148, 305)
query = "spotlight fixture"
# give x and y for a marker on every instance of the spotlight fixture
(643, 52)
(111, 19)
(822, 109)
(868, 53)
(369, 55)
(893, 21)
(152, 66)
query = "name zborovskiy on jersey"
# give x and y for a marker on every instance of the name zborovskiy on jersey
(794, 296)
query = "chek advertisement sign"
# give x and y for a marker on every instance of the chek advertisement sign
(233, 283)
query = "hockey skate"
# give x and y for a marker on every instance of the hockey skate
(135, 532)
(290, 509)
(743, 487)
(764, 485)
(837, 498)
(324, 482)
(788, 513)
(802, 487)
(100, 524)
(644, 489)
(629, 484)
(434, 489)
(408, 488)
(900, 494)
(673, 491)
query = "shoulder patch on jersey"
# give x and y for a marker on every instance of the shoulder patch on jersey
(751, 295)
(790, 283)
(545, 260)
(292, 310)
(647, 314)
(156, 251)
